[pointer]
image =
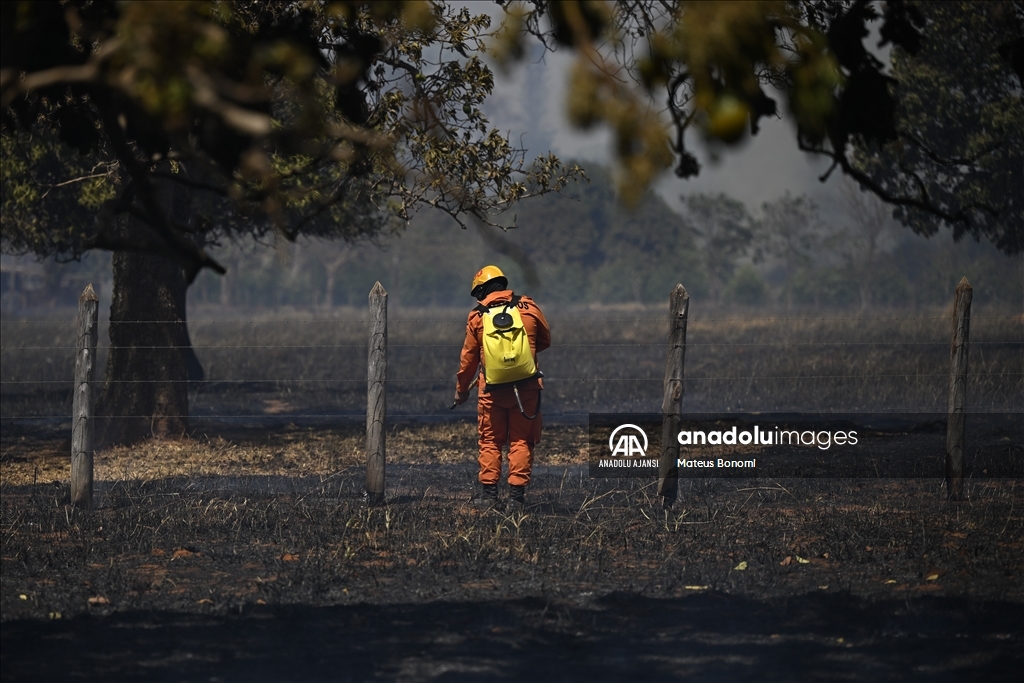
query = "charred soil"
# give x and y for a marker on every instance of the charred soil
(246, 556)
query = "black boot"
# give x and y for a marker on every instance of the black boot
(486, 497)
(517, 495)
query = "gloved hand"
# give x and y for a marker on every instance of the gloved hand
(461, 397)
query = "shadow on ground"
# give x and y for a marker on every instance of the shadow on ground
(621, 636)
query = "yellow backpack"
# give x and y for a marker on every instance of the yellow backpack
(507, 357)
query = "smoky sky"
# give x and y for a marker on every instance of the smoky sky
(529, 104)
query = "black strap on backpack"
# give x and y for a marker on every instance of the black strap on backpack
(481, 309)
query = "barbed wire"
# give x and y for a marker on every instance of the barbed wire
(349, 321)
(467, 415)
(660, 344)
(546, 379)
(281, 416)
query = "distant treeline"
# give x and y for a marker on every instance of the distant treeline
(583, 247)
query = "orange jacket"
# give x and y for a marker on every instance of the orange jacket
(536, 329)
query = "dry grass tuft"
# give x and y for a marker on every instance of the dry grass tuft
(291, 451)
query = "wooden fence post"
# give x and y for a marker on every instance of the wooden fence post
(672, 399)
(81, 411)
(958, 391)
(376, 398)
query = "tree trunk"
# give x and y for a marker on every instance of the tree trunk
(788, 285)
(865, 291)
(225, 290)
(146, 389)
(331, 271)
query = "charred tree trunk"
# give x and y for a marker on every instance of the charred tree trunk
(151, 360)
(146, 390)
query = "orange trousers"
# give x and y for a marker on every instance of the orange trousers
(500, 422)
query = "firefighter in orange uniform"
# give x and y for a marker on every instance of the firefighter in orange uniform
(507, 411)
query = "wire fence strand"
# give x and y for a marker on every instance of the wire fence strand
(315, 366)
(401, 321)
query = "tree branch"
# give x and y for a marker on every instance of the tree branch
(13, 84)
(182, 179)
(960, 216)
(248, 121)
(192, 258)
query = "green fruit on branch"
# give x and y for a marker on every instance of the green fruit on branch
(727, 118)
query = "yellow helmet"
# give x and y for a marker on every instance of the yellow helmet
(486, 274)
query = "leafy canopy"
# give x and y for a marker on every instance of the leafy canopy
(961, 126)
(296, 117)
(717, 68)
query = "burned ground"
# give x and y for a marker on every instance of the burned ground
(244, 559)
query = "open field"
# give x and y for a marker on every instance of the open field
(245, 552)
(300, 365)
